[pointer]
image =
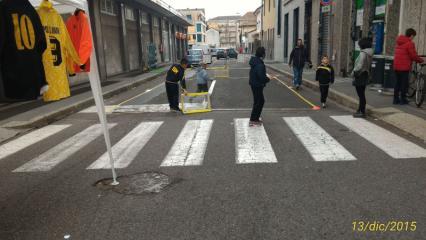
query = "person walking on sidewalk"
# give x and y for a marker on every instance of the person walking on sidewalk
(325, 77)
(175, 75)
(405, 54)
(203, 78)
(361, 74)
(257, 81)
(298, 58)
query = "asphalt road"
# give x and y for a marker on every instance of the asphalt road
(304, 175)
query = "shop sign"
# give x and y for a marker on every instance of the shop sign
(326, 9)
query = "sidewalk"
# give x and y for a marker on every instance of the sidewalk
(17, 118)
(409, 119)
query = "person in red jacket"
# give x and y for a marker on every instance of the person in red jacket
(405, 54)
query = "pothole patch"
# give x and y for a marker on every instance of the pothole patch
(138, 184)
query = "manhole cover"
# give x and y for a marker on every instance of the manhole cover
(140, 183)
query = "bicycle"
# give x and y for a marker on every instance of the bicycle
(413, 79)
(421, 85)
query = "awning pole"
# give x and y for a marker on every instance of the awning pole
(99, 101)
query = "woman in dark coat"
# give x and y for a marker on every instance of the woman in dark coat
(258, 80)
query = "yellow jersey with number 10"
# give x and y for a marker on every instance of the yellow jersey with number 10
(59, 53)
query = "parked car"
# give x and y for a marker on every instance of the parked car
(232, 53)
(195, 57)
(213, 52)
(221, 53)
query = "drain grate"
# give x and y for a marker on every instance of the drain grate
(138, 184)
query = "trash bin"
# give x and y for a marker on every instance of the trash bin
(389, 75)
(377, 72)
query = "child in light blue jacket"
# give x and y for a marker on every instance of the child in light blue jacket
(203, 78)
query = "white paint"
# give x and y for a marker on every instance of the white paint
(148, 108)
(388, 142)
(252, 143)
(191, 145)
(317, 141)
(29, 139)
(126, 150)
(62, 151)
(212, 87)
(93, 109)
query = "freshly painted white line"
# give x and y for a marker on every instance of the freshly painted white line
(62, 151)
(252, 143)
(387, 141)
(317, 141)
(212, 87)
(190, 147)
(29, 139)
(148, 108)
(93, 109)
(126, 150)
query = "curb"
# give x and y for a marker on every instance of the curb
(391, 117)
(62, 112)
(334, 95)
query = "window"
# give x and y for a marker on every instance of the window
(109, 7)
(189, 17)
(286, 35)
(295, 26)
(194, 36)
(130, 14)
(155, 22)
(199, 38)
(279, 19)
(144, 18)
(198, 27)
(269, 5)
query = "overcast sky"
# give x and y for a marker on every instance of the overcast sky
(216, 8)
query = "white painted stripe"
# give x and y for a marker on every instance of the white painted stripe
(29, 139)
(252, 143)
(93, 109)
(62, 151)
(387, 141)
(317, 141)
(212, 87)
(126, 150)
(190, 147)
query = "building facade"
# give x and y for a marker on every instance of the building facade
(228, 30)
(246, 25)
(213, 38)
(136, 35)
(268, 27)
(197, 32)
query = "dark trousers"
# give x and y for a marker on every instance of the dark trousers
(360, 90)
(259, 101)
(324, 92)
(173, 95)
(203, 87)
(401, 86)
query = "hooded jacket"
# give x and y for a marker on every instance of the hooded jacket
(258, 76)
(22, 43)
(59, 53)
(363, 67)
(79, 30)
(202, 76)
(405, 54)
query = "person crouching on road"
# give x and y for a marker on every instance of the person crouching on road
(325, 77)
(175, 75)
(203, 78)
(257, 81)
(361, 74)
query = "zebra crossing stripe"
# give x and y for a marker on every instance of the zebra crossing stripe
(29, 139)
(190, 146)
(126, 150)
(252, 143)
(62, 151)
(317, 141)
(390, 143)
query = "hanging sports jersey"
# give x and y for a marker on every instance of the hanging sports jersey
(79, 30)
(22, 43)
(60, 52)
